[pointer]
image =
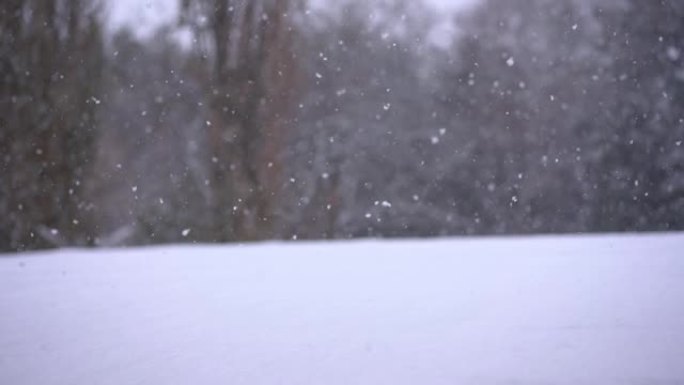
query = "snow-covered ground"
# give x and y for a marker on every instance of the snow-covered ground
(546, 310)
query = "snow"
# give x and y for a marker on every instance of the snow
(673, 53)
(541, 310)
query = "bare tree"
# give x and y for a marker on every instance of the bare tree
(254, 73)
(51, 57)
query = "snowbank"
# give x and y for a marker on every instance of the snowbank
(546, 310)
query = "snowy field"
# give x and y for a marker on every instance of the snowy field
(547, 310)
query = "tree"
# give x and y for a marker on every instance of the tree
(359, 153)
(253, 75)
(642, 186)
(51, 57)
(151, 160)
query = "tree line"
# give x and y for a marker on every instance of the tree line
(272, 119)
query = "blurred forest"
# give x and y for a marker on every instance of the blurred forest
(280, 119)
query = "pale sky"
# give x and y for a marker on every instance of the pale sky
(144, 16)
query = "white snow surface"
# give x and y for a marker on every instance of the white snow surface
(541, 310)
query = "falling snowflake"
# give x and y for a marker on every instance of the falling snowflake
(673, 53)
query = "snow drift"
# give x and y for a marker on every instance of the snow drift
(545, 310)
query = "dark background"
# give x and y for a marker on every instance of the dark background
(276, 121)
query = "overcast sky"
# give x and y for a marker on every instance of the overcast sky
(144, 16)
